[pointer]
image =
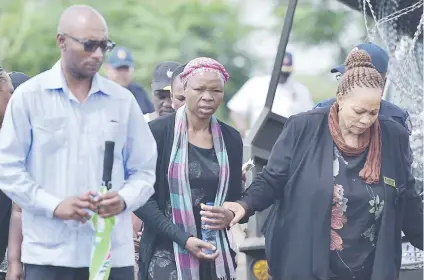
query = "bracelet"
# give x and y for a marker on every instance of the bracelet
(234, 213)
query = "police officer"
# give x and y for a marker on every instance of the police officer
(380, 59)
(120, 69)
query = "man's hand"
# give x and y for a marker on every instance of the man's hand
(195, 247)
(237, 209)
(216, 217)
(74, 208)
(110, 204)
(15, 271)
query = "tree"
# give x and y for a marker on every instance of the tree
(156, 31)
(325, 22)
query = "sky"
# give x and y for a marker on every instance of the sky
(307, 61)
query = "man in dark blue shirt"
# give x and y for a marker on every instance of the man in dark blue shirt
(380, 59)
(119, 68)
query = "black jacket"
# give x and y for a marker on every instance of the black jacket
(142, 98)
(152, 214)
(299, 175)
(5, 211)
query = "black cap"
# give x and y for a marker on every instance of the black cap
(287, 66)
(18, 78)
(163, 74)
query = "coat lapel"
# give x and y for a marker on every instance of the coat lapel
(384, 266)
(322, 203)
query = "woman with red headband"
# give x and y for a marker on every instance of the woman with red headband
(199, 161)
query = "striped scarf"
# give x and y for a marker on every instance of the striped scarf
(180, 193)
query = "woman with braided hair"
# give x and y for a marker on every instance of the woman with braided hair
(343, 187)
(199, 161)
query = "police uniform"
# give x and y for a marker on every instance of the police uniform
(122, 57)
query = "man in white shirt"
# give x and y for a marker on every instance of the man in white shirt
(51, 156)
(291, 98)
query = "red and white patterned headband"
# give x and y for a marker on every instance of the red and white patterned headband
(203, 64)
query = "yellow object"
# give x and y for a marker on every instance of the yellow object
(121, 54)
(390, 182)
(260, 270)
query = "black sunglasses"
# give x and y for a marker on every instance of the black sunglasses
(92, 45)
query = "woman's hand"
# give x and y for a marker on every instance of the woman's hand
(238, 210)
(136, 240)
(243, 177)
(195, 247)
(216, 217)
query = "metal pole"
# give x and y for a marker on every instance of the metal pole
(284, 39)
(258, 146)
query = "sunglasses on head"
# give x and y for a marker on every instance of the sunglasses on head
(93, 45)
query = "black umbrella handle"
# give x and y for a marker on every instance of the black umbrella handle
(108, 163)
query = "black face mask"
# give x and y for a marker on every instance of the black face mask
(284, 77)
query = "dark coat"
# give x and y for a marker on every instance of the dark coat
(5, 212)
(299, 175)
(152, 213)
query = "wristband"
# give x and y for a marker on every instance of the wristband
(234, 213)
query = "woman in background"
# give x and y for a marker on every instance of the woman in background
(177, 88)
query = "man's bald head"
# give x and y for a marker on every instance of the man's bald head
(79, 17)
(82, 36)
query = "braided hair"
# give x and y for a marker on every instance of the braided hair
(360, 72)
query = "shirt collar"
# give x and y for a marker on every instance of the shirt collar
(54, 79)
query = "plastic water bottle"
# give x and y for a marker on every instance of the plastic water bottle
(209, 235)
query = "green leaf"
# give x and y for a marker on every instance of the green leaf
(155, 31)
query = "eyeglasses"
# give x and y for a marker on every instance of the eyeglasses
(92, 45)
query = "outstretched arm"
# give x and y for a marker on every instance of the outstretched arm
(269, 184)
